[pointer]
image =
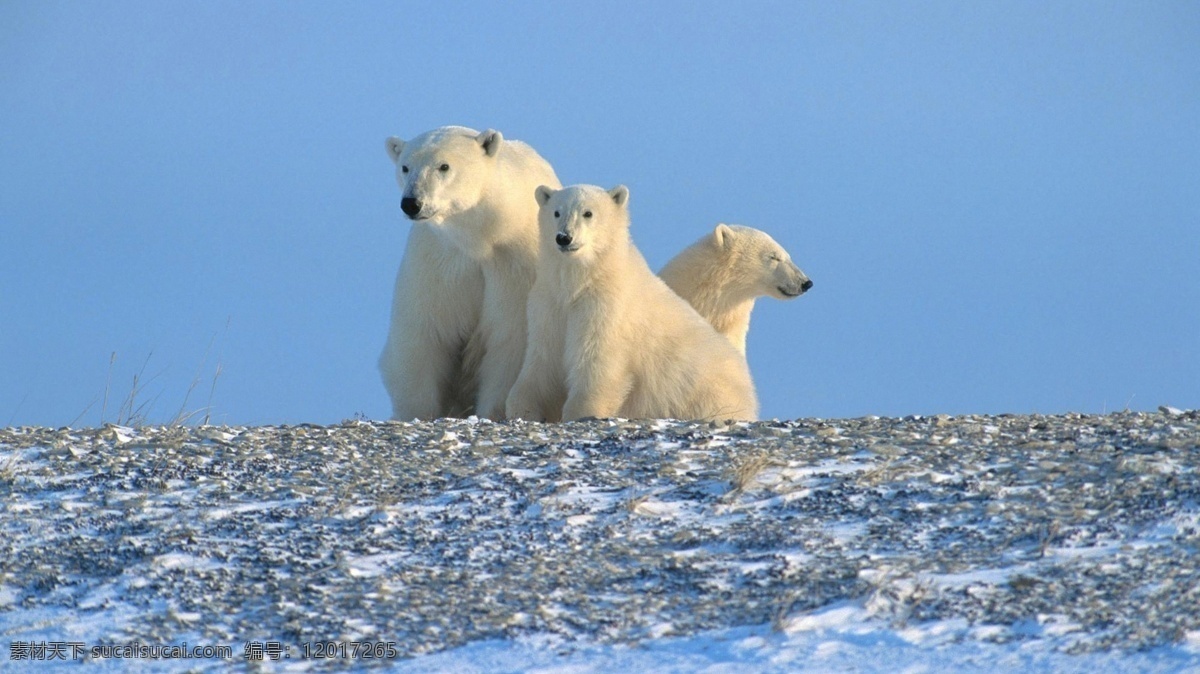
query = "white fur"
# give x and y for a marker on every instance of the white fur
(427, 368)
(458, 315)
(723, 273)
(607, 337)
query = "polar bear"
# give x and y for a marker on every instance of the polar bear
(723, 273)
(457, 333)
(607, 337)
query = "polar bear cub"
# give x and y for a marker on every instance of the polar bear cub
(458, 325)
(723, 273)
(607, 337)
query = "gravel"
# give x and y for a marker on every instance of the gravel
(433, 535)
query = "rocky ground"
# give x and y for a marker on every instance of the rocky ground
(433, 535)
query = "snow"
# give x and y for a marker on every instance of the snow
(841, 638)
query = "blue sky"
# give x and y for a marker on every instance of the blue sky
(999, 203)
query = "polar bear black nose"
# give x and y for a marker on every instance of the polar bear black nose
(806, 285)
(410, 206)
(563, 240)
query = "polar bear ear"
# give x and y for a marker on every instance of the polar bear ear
(620, 195)
(490, 140)
(543, 194)
(394, 147)
(722, 235)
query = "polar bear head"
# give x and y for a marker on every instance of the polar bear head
(582, 221)
(443, 172)
(757, 264)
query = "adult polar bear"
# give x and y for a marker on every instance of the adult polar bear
(607, 337)
(457, 333)
(723, 273)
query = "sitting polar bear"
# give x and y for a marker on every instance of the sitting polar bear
(457, 331)
(724, 272)
(607, 337)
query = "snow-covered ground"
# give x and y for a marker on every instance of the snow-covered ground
(841, 638)
(1010, 543)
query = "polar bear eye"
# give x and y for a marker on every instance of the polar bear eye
(556, 214)
(444, 167)
(587, 214)
(404, 169)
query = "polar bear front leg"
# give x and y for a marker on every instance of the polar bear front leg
(540, 389)
(537, 395)
(419, 370)
(523, 401)
(597, 386)
(497, 373)
(435, 308)
(504, 329)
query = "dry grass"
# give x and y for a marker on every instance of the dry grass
(137, 408)
(746, 469)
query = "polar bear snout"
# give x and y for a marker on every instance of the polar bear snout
(411, 207)
(795, 282)
(566, 242)
(796, 288)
